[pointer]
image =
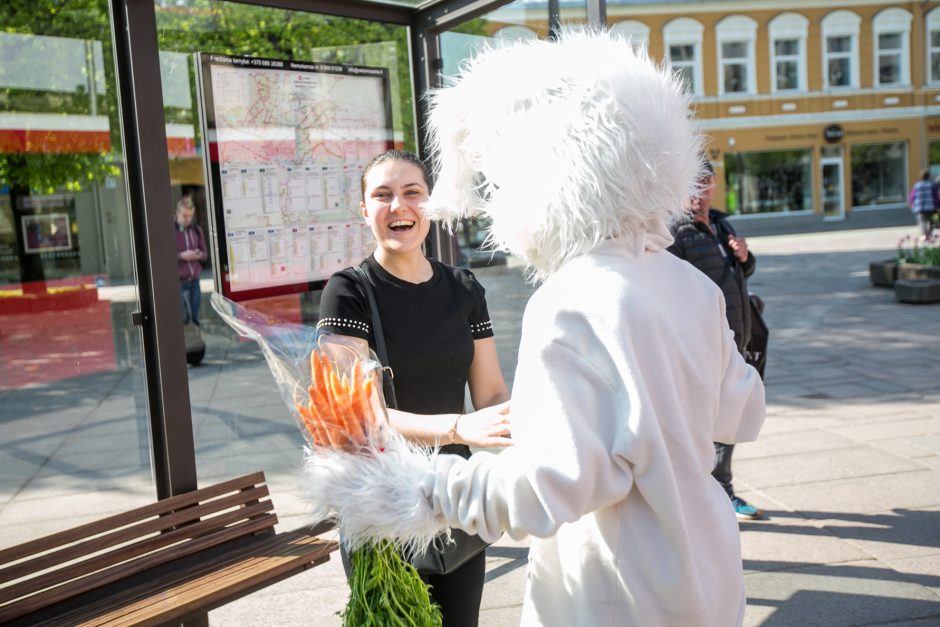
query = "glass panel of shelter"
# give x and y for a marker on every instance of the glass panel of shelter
(73, 417)
(520, 20)
(288, 167)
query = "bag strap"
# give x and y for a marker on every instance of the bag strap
(388, 386)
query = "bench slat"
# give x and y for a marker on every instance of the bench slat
(180, 524)
(170, 561)
(54, 595)
(181, 501)
(176, 599)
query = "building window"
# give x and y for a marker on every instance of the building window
(769, 182)
(879, 174)
(637, 33)
(736, 72)
(682, 38)
(892, 31)
(933, 154)
(840, 49)
(933, 47)
(788, 52)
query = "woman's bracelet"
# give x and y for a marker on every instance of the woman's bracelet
(452, 434)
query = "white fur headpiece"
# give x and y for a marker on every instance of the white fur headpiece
(562, 144)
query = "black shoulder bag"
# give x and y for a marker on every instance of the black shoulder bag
(443, 557)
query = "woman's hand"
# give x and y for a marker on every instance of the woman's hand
(484, 428)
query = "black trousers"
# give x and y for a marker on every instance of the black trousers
(722, 469)
(458, 593)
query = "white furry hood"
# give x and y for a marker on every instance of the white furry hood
(563, 145)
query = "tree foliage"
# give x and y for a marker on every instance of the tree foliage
(185, 26)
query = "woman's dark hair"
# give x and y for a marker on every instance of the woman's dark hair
(395, 155)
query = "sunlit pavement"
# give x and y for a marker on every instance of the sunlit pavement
(847, 466)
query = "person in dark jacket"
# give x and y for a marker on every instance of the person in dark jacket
(190, 253)
(707, 240)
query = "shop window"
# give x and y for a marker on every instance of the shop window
(736, 72)
(769, 181)
(879, 174)
(840, 49)
(788, 52)
(683, 46)
(933, 154)
(637, 32)
(891, 30)
(933, 47)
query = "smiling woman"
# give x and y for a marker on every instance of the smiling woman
(439, 340)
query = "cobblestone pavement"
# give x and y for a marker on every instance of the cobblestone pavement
(847, 465)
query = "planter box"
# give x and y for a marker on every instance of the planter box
(917, 292)
(883, 273)
(917, 272)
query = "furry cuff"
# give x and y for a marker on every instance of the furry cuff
(374, 494)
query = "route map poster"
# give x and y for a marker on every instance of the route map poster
(287, 142)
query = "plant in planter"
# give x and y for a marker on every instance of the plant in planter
(918, 271)
(918, 260)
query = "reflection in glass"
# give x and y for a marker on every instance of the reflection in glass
(879, 173)
(832, 189)
(74, 433)
(240, 422)
(684, 52)
(682, 59)
(839, 73)
(889, 41)
(772, 181)
(839, 44)
(787, 75)
(889, 58)
(735, 77)
(787, 47)
(889, 69)
(734, 50)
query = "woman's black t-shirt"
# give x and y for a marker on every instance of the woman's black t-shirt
(429, 329)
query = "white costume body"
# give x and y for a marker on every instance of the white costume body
(627, 373)
(580, 152)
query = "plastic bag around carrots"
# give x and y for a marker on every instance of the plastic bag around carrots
(357, 469)
(330, 383)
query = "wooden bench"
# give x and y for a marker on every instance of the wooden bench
(165, 563)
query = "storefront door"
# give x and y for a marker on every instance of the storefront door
(833, 191)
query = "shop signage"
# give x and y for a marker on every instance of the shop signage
(833, 133)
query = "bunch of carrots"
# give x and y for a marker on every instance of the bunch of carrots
(338, 413)
(385, 590)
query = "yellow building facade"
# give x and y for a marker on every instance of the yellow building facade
(811, 110)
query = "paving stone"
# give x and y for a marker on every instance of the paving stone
(788, 442)
(851, 593)
(891, 429)
(819, 466)
(861, 495)
(780, 543)
(926, 570)
(898, 533)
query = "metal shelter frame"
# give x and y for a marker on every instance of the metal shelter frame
(143, 126)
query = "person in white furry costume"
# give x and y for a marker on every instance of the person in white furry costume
(581, 151)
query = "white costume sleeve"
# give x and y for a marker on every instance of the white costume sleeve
(571, 420)
(741, 397)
